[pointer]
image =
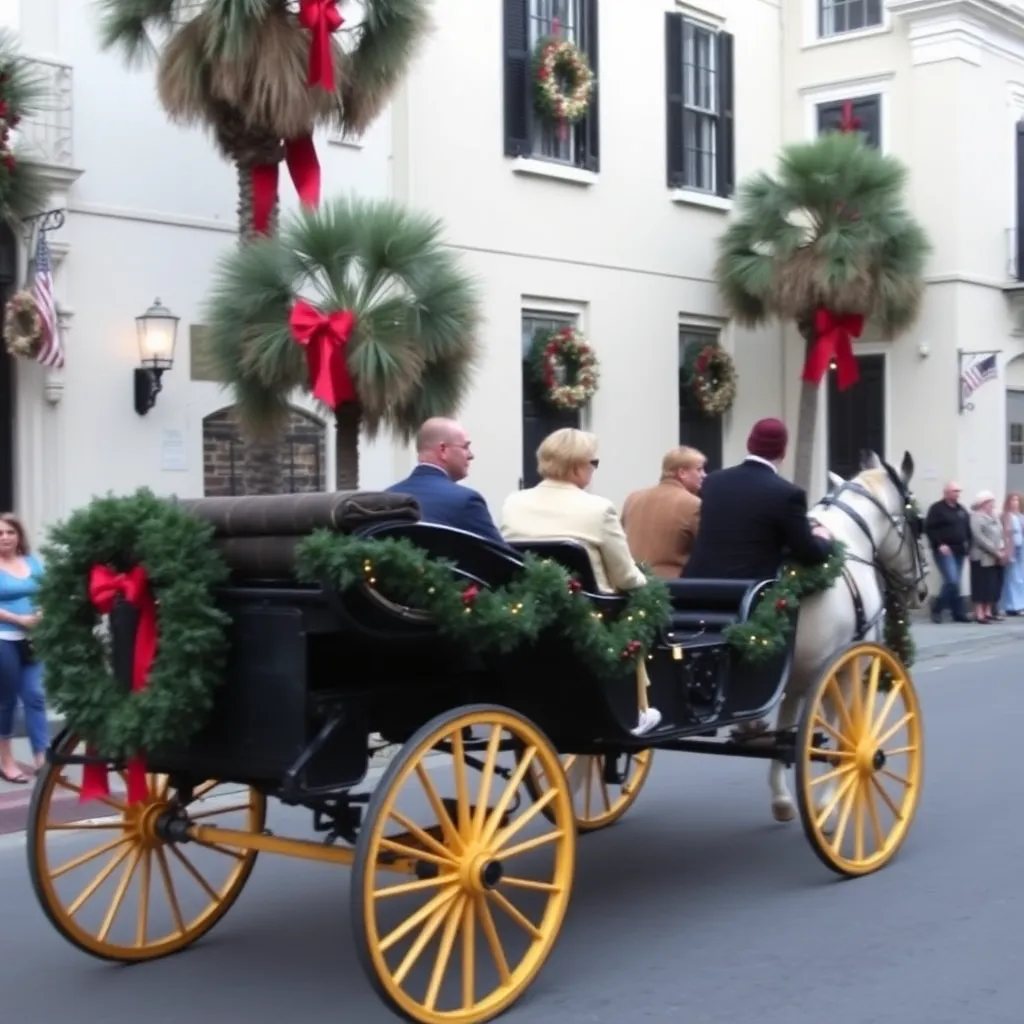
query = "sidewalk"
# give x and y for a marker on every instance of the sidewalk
(933, 641)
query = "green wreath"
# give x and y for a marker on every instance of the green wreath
(565, 367)
(183, 569)
(485, 620)
(563, 80)
(713, 380)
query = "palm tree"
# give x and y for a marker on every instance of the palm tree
(828, 244)
(240, 70)
(402, 323)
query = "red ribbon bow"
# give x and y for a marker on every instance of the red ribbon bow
(105, 586)
(304, 168)
(322, 18)
(834, 334)
(324, 336)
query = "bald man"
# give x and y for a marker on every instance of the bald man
(948, 528)
(443, 453)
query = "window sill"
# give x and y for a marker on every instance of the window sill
(848, 37)
(555, 171)
(691, 197)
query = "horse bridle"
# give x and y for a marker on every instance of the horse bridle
(908, 527)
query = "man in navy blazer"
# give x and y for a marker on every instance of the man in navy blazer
(444, 454)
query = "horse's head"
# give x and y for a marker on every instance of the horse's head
(896, 526)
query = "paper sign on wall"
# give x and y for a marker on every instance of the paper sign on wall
(173, 455)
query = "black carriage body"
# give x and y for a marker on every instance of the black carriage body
(312, 674)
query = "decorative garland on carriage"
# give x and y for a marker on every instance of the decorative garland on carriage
(712, 380)
(151, 553)
(495, 620)
(565, 367)
(563, 81)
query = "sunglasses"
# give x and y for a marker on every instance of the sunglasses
(595, 463)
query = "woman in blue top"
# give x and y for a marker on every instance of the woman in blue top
(21, 676)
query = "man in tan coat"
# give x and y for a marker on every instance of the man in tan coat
(661, 521)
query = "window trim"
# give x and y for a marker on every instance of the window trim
(851, 89)
(813, 39)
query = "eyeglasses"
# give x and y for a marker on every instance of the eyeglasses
(595, 463)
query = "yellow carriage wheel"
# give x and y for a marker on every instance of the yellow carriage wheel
(492, 874)
(112, 886)
(597, 802)
(857, 806)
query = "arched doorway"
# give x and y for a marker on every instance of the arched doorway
(8, 374)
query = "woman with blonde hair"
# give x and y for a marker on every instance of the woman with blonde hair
(1013, 575)
(21, 676)
(986, 554)
(560, 508)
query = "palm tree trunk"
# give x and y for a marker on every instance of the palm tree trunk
(806, 418)
(262, 469)
(347, 420)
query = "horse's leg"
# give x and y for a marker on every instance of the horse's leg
(783, 808)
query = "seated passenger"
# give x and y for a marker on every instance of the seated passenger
(444, 455)
(661, 521)
(559, 508)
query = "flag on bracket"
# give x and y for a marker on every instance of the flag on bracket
(51, 352)
(977, 374)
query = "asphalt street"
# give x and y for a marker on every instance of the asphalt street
(696, 907)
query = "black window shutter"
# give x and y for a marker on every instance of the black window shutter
(726, 151)
(592, 122)
(674, 99)
(1019, 247)
(517, 78)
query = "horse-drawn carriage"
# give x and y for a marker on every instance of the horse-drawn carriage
(504, 760)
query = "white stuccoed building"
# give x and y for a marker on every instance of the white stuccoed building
(611, 226)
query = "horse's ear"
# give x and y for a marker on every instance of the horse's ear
(835, 481)
(907, 467)
(869, 459)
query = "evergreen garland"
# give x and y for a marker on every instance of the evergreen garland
(176, 552)
(495, 620)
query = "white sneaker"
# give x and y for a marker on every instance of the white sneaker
(649, 719)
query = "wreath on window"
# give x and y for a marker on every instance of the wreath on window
(713, 381)
(564, 367)
(563, 80)
(23, 326)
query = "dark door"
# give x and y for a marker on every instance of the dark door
(1015, 442)
(856, 417)
(8, 282)
(539, 418)
(695, 429)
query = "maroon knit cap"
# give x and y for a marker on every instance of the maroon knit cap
(768, 439)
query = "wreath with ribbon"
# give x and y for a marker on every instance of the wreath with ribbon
(158, 559)
(713, 381)
(23, 326)
(563, 80)
(565, 367)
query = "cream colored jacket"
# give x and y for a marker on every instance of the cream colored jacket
(561, 511)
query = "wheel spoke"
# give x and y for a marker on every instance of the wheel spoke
(829, 776)
(897, 778)
(438, 902)
(425, 838)
(876, 825)
(461, 785)
(606, 798)
(144, 880)
(172, 896)
(110, 801)
(451, 834)
(216, 811)
(529, 883)
(532, 844)
(493, 941)
(411, 853)
(90, 890)
(444, 951)
(86, 826)
(588, 791)
(427, 932)
(856, 693)
(858, 821)
(218, 848)
(886, 798)
(890, 703)
(194, 872)
(513, 828)
(872, 695)
(119, 894)
(84, 858)
(486, 777)
(840, 704)
(420, 885)
(837, 736)
(494, 821)
(889, 733)
(468, 953)
(198, 794)
(844, 816)
(901, 750)
(516, 914)
(840, 792)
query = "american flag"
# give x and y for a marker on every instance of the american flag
(51, 353)
(977, 374)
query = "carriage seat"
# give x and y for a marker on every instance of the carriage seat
(711, 605)
(257, 534)
(569, 554)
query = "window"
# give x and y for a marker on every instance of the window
(526, 133)
(539, 418)
(302, 450)
(838, 16)
(862, 114)
(702, 432)
(699, 85)
(1015, 445)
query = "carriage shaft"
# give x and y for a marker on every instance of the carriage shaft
(777, 751)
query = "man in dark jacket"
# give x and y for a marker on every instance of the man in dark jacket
(444, 454)
(752, 520)
(948, 526)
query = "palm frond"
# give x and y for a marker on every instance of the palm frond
(388, 38)
(24, 84)
(128, 25)
(829, 229)
(25, 190)
(414, 344)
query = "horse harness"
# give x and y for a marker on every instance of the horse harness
(886, 580)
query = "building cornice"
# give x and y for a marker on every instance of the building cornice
(961, 30)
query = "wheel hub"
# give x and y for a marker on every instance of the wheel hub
(482, 873)
(870, 759)
(491, 874)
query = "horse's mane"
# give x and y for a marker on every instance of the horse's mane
(875, 480)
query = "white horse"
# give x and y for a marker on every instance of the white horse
(871, 514)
